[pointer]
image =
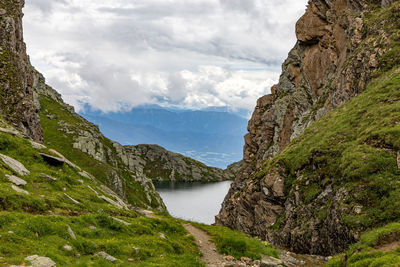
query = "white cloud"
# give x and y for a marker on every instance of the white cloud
(116, 54)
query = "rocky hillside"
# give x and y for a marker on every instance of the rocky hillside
(161, 165)
(16, 76)
(143, 161)
(322, 154)
(78, 199)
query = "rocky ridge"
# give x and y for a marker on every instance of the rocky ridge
(16, 77)
(151, 161)
(342, 45)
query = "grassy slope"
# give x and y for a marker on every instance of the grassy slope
(37, 223)
(377, 248)
(62, 142)
(355, 147)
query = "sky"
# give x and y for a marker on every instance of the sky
(113, 55)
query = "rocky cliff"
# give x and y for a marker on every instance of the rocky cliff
(298, 195)
(162, 165)
(16, 77)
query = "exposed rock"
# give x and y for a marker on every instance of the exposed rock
(71, 233)
(67, 247)
(87, 175)
(69, 163)
(36, 145)
(88, 138)
(121, 221)
(19, 190)
(271, 262)
(106, 256)
(16, 82)
(235, 167)
(108, 191)
(54, 161)
(38, 261)
(12, 131)
(160, 164)
(112, 202)
(94, 191)
(386, 3)
(331, 63)
(16, 180)
(15, 165)
(48, 177)
(70, 198)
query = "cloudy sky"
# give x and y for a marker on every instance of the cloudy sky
(117, 54)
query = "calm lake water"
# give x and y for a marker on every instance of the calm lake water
(194, 201)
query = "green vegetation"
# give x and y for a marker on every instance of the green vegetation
(237, 244)
(357, 150)
(138, 244)
(63, 142)
(379, 247)
(37, 223)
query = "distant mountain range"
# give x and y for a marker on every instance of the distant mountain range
(212, 136)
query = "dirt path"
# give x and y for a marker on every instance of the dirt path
(210, 255)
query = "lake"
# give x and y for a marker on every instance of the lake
(194, 201)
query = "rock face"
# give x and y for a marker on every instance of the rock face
(160, 164)
(16, 77)
(316, 77)
(331, 63)
(15, 165)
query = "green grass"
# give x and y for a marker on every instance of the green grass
(38, 222)
(63, 142)
(357, 150)
(368, 251)
(46, 236)
(237, 244)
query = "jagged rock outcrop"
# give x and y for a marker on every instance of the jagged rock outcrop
(160, 164)
(333, 60)
(80, 134)
(16, 77)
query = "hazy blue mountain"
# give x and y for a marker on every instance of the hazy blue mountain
(213, 137)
